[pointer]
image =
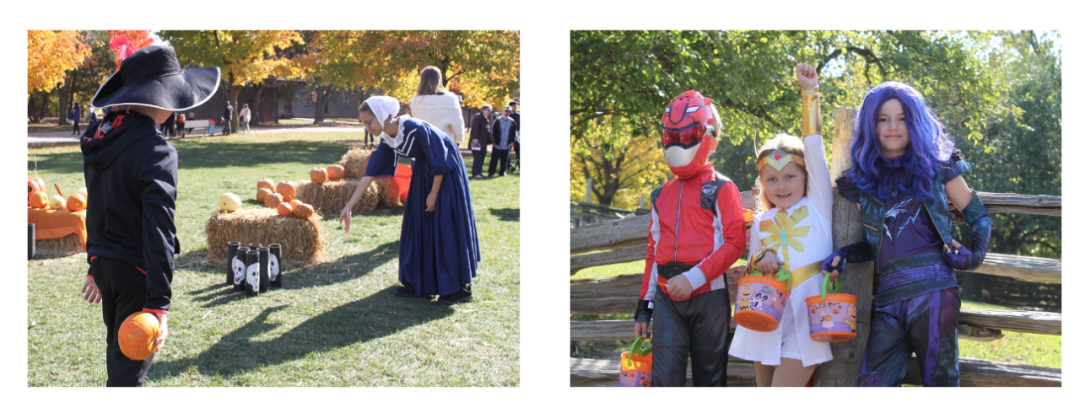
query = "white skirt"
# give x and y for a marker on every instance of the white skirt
(791, 339)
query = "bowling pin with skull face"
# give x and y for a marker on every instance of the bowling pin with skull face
(239, 269)
(264, 269)
(229, 276)
(275, 265)
(252, 273)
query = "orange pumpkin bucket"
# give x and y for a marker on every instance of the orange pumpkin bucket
(636, 366)
(403, 175)
(760, 301)
(832, 315)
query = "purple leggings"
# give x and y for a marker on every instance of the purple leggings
(924, 324)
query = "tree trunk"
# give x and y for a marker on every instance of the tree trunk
(255, 118)
(858, 279)
(320, 100)
(324, 94)
(64, 109)
(31, 110)
(234, 93)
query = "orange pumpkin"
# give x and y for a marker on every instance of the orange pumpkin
(294, 203)
(38, 200)
(265, 183)
(261, 195)
(76, 202)
(303, 211)
(284, 209)
(318, 175)
(136, 335)
(335, 172)
(287, 190)
(272, 200)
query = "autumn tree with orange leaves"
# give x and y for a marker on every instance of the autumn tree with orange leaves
(244, 56)
(49, 54)
(481, 65)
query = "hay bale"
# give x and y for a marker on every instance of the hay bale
(330, 198)
(67, 245)
(355, 162)
(300, 239)
(388, 192)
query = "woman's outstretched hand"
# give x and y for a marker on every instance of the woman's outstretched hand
(346, 218)
(807, 75)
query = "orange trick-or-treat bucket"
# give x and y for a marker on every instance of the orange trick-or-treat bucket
(760, 301)
(832, 315)
(636, 366)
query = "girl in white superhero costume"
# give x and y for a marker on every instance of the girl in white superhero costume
(794, 233)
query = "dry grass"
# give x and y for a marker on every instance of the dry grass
(330, 198)
(355, 162)
(300, 239)
(58, 247)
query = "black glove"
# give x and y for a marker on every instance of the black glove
(644, 311)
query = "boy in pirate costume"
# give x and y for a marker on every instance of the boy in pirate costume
(131, 181)
(696, 233)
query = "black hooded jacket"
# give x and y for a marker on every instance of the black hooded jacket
(131, 199)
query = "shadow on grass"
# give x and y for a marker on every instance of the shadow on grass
(378, 315)
(212, 153)
(507, 214)
(208, 153)
(300, 277)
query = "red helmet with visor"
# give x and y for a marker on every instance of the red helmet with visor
(687, 121)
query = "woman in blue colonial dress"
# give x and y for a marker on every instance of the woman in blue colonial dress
(439, 250)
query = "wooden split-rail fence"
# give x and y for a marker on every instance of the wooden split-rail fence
(625, 240)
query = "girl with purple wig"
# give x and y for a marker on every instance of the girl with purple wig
(905, 172)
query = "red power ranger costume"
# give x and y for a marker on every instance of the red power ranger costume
(697, 231)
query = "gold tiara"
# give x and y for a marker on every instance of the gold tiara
(779, 159)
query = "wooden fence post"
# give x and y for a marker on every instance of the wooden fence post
(844, 369)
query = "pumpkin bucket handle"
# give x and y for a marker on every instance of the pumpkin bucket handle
(829, 287)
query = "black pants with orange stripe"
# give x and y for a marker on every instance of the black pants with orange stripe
(698, 328)
(123, 292)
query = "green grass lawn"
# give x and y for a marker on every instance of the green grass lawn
(307, 121)
(336, 323)
(52, 127)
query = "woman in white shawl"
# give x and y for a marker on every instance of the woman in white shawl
(436, 106)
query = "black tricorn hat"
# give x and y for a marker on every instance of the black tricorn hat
(152, 76)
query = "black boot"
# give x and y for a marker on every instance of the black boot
(463, 295)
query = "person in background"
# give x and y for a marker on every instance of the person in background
(226, 120)
(503, 131)
(479, 135)
(245, 119)
(517, 137)
(436, 106)
(168, 125)
(74, 116)
(180, 132)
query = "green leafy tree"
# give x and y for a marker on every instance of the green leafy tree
(996, 93)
